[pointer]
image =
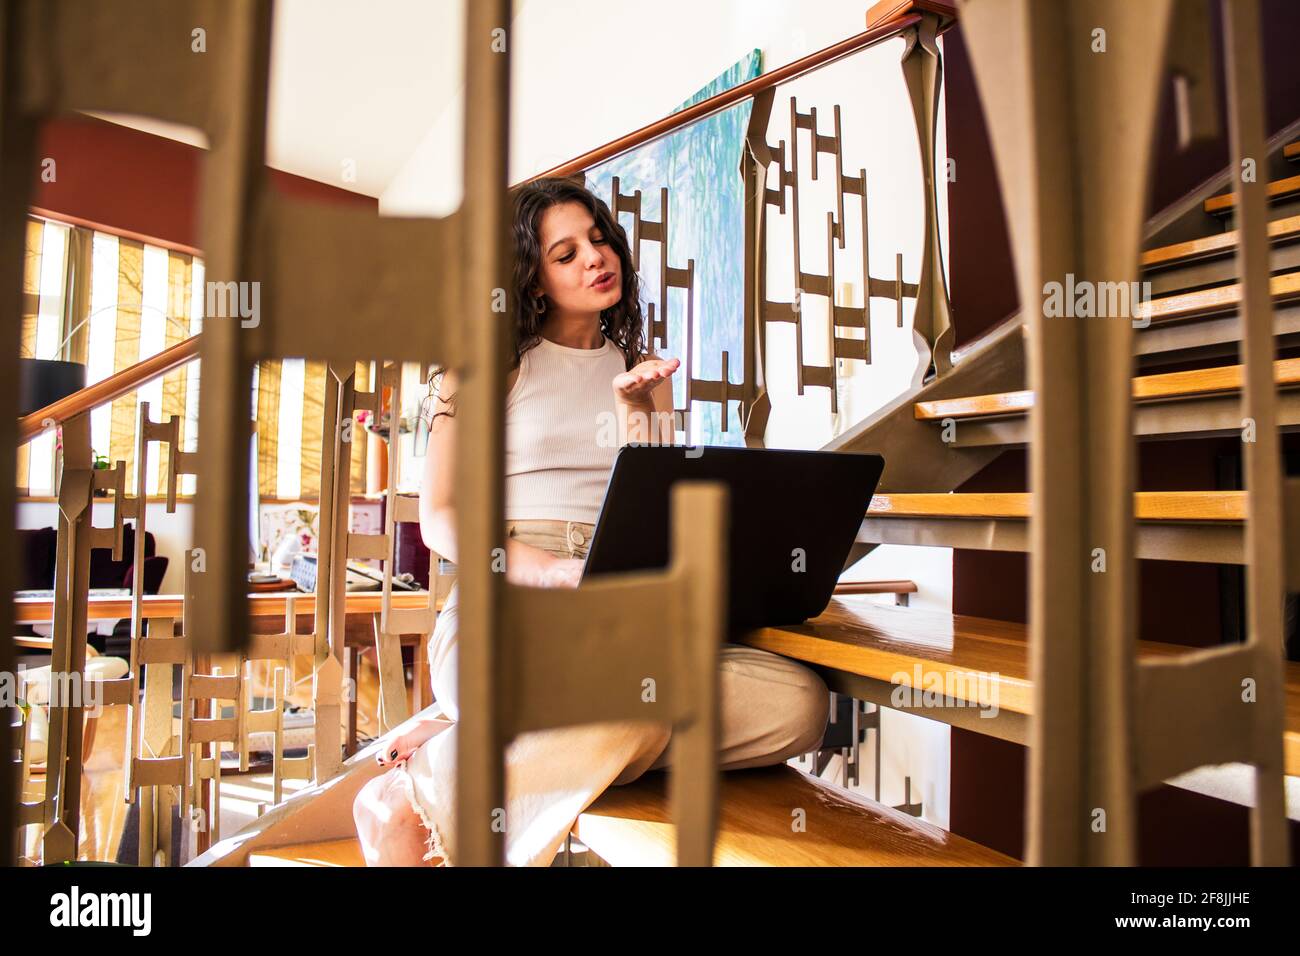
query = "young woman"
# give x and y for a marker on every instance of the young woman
(580, 363)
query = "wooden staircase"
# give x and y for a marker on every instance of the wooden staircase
(1173, 389)
(1203, 526)
(1202, 402)
(935, 437)
(327, 853)
(1195, 281)
(868, 650)
(977, 667)
(775, 816)
(363, 294)
(1209, 261)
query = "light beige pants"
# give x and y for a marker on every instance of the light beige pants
(772, 709)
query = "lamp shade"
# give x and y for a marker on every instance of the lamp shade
(45, 381)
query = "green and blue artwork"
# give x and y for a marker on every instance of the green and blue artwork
(700, 165)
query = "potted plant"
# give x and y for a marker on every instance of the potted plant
(380, 427)
(101, 464)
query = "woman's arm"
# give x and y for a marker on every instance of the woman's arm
(525, 564)
(437, 505)
(644, 399)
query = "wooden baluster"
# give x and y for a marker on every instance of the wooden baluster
(1266, 576)
(922, 66)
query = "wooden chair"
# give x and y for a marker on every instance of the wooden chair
(278, 650)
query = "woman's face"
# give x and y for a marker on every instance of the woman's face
(576, 257)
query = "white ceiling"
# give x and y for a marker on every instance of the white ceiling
(352, 81)
(377, 84)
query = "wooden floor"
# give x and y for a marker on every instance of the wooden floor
(103, 807)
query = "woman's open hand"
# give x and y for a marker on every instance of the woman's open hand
(634, 386)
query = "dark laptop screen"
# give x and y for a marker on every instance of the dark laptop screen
(794, 517)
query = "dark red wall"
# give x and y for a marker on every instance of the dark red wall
(981, 273)
(128, 180)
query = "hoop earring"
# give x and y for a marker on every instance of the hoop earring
(540, 304)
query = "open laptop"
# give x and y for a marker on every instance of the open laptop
(794, 516)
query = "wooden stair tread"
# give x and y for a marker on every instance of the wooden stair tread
(1292, 150)
(345, 852)
(1146, 388)
(971, 656)
(882, 642)
(1278, 189)
(631, 826)
(1214, 506)
(1224, 298)
(1279, 230)
(862, 637)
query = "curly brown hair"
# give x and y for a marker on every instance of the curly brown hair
(623, 322)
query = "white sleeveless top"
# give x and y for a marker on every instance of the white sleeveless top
(561, 432)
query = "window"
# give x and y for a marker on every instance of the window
(143, 299)
(109, 302)
(290, 396)
(45, 269)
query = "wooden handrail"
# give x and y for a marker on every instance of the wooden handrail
(115, 386)
(901, 586)
(714, 104)
(129, 379)
(887, 11)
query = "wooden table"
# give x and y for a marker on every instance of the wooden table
(267, 614)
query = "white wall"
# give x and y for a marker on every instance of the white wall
(585, 74)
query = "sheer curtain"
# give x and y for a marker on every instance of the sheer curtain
(109, 302)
